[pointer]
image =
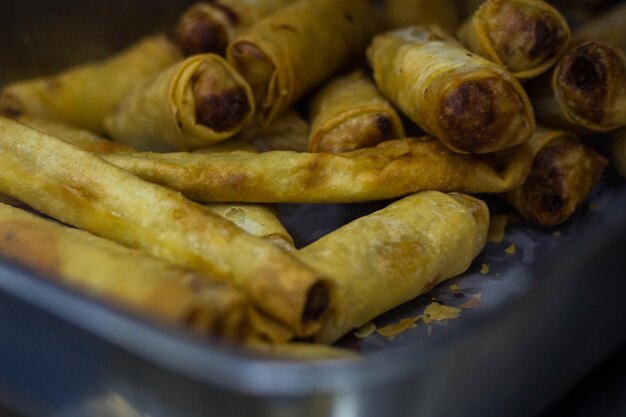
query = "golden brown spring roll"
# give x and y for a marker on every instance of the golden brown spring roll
(525, 36)
(210, 26)
(126, 277)
(80, 189)
(618, 151)
(195, 103)
(586, 91)
(400, 13)
(391, 169)
(563, 173)
(382, 260)
(298, 47)
(349, 113)
(609, 27)
(258, 220)
(83, 96)
(472, 105)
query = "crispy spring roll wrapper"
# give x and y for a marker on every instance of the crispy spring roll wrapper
(83, 96)
(609, 27)
(586, 91)
(124, 276)
(195, 103)
(349, 113)
(563, 173)
(210, 26)
(80, 189)
(382, 260)
(444, 13)
(471, 104)
(391, 169)
(618, 151)
(258, 220)
(525, 36)
(298, 47)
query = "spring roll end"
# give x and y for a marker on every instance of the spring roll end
(197, 33)
(317, 303)
(362, 131)
(254, 66)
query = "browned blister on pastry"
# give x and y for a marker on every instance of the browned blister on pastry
(525, 36)
(471, 104)
(210, 26)
(563, 173)
(349, 113)
(586, 91)
(83, 96)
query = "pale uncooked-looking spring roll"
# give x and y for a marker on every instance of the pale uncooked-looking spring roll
(384, 259)
(83, 96)
(586, 91)
(349, 113)
(80, 189)
(400, 13)
(193, 104)
(471, 104)
(210, 26)
(525, 36)
(126, 277)
(298, 47)
(391, 169)
(563, 173)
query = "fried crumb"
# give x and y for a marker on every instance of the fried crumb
(511, 249)
(455, 287)
(595, 207)
(497, 228)
(366, 330)
(484, 269)
(556, 233)
(395, 329)
(430, 330)
(473, 302)
(438, 312)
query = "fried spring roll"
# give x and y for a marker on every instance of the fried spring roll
(563, 173)
(586, 91)
(80, 189)
(609, 27)
(190, 105)
(349, 113)
(210, 26)
(382, 260)
(472, 105)
(618, 151)
(83, 96)
(391, 169)
(127, 277)
(258, 220)
(444, 13)
(298, 47)
(525, 36)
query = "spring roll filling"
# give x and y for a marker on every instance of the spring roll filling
(317, 302)
(361, 131)
(197, 33)
(255, 67)
(221, 104)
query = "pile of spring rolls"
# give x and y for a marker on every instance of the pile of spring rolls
(149, 176)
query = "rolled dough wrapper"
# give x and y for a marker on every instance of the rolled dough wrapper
(389, 257)
(80, 189)
(195, 103)
(83, 96)
(618, 151)
(472, 105)
(444, 13)
(525, 36)
(608, 27)
(211, 26)
(126, 277)
(298, 47)
(391, 169)
(349, 113)
(563, 173)
(586, 91)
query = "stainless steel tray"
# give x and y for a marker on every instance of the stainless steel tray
(547, 314)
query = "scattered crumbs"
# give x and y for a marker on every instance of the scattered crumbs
(511, 249)
(473, 302)
(455, 287)
(595, 207)
(399, 327)
(430, 330)
(497, 227)
(366, 330)
(497, 274)
(484, 269)
(438, 312)
(556, 233)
